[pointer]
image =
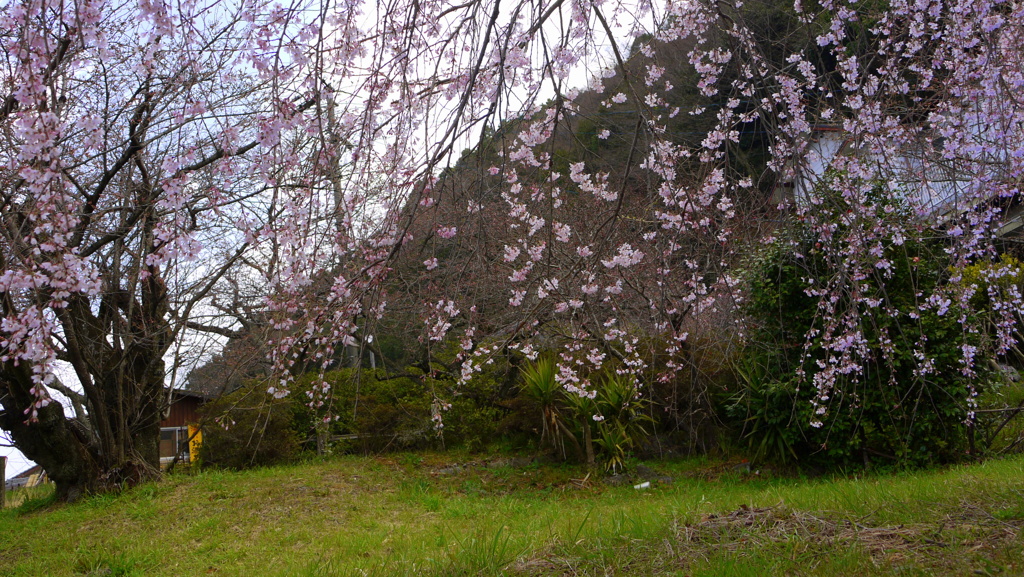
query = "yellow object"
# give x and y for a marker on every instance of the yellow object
(195, 441)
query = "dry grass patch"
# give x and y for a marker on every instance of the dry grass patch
(746, 525)
(972, 528)
(778, 540)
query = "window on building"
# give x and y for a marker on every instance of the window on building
(174, 442)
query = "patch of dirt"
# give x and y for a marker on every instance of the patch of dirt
(737, 470)
(513, 463)
(944, 546)
(537, 566)
(970, 529)
(745, 525)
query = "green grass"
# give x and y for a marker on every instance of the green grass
(400, 516)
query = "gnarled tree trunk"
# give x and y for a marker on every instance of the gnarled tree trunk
(60, 448)
(111, 440)
(108, 449)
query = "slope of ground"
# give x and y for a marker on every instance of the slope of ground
(424, 515)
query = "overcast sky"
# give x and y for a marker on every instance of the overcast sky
(16, 462)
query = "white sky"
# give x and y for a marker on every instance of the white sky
(16, 462)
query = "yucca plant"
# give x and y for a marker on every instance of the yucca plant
(585, 409)
(766, 408)
(614, 443)
(619, 399)
(540, 386)
(623, 411)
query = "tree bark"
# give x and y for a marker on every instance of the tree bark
(588, 443)
(50, 441)
(77, 464)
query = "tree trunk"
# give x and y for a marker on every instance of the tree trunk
(122, 450)
(51, 441)
(588, 443)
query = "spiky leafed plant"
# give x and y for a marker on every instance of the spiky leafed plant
(540, 386)
(622, 409)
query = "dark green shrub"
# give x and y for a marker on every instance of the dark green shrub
(374, 411)
(888, 411)
(249, 428)
(475, 418)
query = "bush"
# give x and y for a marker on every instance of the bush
(382, 412)
(364, 410)
(615, 419)
(999, 426)
(884, 408)
(248, 428)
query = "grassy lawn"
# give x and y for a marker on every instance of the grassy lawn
(416, 514)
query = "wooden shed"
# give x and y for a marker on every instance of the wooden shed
(179, 432)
